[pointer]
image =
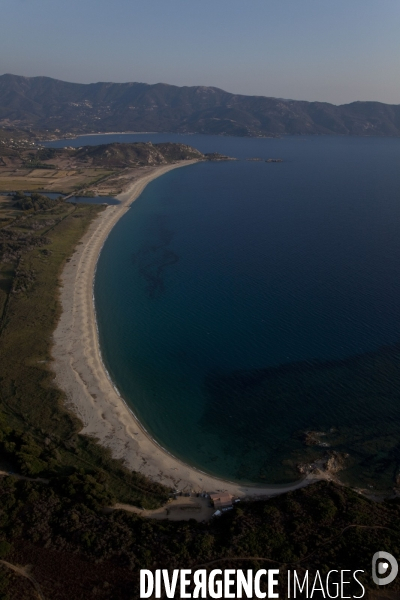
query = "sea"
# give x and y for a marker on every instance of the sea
(243, 304)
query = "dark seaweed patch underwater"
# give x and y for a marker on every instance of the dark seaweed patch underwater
(241, 304)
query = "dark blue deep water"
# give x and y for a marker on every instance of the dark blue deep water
(243, 303)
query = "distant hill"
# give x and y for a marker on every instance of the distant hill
(118, 156)
(43, 103)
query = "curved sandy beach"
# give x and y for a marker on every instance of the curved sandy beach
(80, 372)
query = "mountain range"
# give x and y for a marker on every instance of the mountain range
(43, 103)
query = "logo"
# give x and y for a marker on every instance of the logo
(381, 574)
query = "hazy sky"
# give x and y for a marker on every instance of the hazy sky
(329, 50)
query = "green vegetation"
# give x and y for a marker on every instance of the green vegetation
(54, 509)
(33, 202)
(33, 160)
(107, 107)
(50, 526)
(119, 156)
(37, 434)
(89, 170)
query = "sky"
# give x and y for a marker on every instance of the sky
(334, 51)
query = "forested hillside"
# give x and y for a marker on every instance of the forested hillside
(43, 103)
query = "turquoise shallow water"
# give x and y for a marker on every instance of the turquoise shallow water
(242, 303)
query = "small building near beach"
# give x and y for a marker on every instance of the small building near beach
(221, 500)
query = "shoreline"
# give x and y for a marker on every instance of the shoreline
(77, 135)
(92, 395)
(255, 137)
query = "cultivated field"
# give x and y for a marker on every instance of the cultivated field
(50, 180)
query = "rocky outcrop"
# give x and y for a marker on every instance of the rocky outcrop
(329, 466)
(313, 438)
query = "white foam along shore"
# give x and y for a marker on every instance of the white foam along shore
(90, 393)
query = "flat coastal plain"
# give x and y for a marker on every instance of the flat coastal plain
(80, 372)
